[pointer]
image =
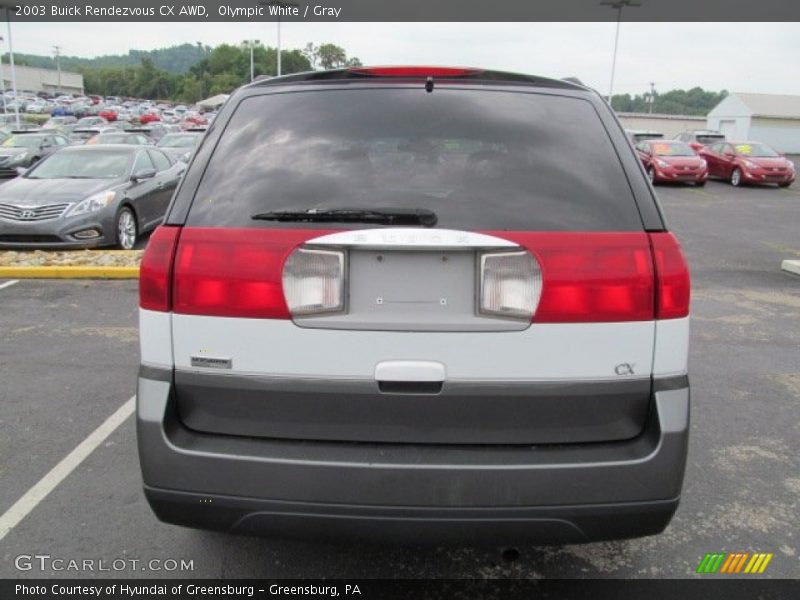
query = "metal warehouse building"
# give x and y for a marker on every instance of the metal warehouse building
(34, 79)
(669, 125)
(770, 118)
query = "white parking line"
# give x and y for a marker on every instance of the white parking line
(22, 507)
(8, 283)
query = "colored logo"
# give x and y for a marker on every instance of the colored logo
(734, 563)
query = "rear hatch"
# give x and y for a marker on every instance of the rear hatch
(386, 263)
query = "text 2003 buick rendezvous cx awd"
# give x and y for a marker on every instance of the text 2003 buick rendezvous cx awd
(431, 302)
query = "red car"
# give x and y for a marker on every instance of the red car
(748, 162)
(193, 120)
(668, 160)
(148, 118)
(108, 115)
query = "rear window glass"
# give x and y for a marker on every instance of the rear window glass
(479, 159)
(709, 139)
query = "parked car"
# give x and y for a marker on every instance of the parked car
(180, 145)
(699, 138)
(82, 134)
(37, 107)
(120, 137)
(60, 121)
(24, 149)
(637, 136)
(154, 131)
(97, 121)
(375, 315)
(148, 117)
(748, 162)
(668, 160)
(12, 127)
(84, 196)
(194, 120)
(108, 114)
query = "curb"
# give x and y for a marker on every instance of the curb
(69, 272)
(792, 266)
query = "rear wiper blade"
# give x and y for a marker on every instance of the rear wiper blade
(383, 216)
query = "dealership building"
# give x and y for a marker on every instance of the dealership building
(770, 118)
(34, 79)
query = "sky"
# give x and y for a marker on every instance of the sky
(740, 57)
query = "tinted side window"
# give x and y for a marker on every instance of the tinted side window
(480, 159)
(143, 163)
(161, 162)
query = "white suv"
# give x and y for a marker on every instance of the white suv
(415, 302)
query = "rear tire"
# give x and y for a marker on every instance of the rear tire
(125, 229)
(785, 184)
(736, 178)
(651, 175)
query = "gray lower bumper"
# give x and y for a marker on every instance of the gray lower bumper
(56, 233)
(563, 493)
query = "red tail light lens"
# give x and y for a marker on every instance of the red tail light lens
(234, 272)
(591, 277)
(409, 71)
(156, 268)
(673, 287)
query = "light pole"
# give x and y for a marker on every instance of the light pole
(279, 4)
(13, 70)
(57, 51)
(251, 44)
(651, 98)
(618, 5)
(3, 80)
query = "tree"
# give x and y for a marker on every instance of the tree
(695, 101)
(328, 56)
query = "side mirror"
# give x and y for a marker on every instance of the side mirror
(728, 154)
(143, 174)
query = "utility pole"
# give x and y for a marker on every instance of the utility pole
(13, 70)
(57, 50)
(652, 98)
(618, 5)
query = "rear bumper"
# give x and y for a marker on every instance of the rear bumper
(546, 493)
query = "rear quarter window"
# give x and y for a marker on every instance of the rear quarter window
(480, 159)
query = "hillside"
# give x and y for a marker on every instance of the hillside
(175, 60)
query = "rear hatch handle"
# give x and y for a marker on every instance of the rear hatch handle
(410, 376)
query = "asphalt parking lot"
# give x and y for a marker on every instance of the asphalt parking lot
(69, 356)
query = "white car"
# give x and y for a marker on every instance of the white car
(399, 310)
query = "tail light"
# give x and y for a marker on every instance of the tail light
(673, 284)
(510, 284)
(156, 269)
(313, 281)
(235, 272)
(591, 277)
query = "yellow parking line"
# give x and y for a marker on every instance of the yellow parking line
(85, 272)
